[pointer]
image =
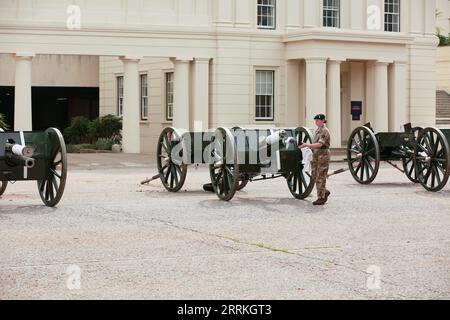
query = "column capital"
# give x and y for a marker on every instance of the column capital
(202, 60)
(400, 62)
(24, 55)
(335, 61)
(316, 60)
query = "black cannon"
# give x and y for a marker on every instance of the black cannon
(424, 154)
(35, 156)
(235, 157)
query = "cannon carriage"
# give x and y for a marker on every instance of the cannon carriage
(235, 157)
(424, 153)
(35, 156)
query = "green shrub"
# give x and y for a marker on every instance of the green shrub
(107, 127)
(3, 124)
(104, 144)
(443, 40)
(78, 132)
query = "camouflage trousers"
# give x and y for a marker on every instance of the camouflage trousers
(320, 167)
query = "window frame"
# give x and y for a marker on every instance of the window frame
(273, 94)
(120, 95)
(274, 15)
(392, 14)
(168, 105)
(144, 97)
(331, 9)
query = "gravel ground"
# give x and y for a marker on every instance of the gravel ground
(111, 238)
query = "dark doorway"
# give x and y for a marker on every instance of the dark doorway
(7, 104)
(53, 106)
(56, 107)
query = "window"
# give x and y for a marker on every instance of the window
(144, 97)
(169, 96)
(265, 95)
(266, 14)
(392, 15)
(331, 13)
(120, 96)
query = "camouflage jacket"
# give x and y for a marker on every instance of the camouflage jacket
(322, 136)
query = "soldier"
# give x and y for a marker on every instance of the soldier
(321, 159)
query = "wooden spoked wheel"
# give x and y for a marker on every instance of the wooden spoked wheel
(363, 154)
(303, 135)
(3, 185)
(409, 165)
(432, 159)
(242, 184)
(300, 183)
(171, 169)
(52, 188)
(224, 171)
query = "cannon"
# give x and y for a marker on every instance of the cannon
(235, 158)
(366, 149)
(35, 156)
(432, 158)
(423, 152)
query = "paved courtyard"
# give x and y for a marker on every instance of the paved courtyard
(112, 238)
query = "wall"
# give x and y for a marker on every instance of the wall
(54, 71)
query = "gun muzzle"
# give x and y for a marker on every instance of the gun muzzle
(24, 161)
(19, 150)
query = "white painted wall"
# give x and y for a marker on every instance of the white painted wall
(54, 71)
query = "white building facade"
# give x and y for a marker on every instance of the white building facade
(199, 64)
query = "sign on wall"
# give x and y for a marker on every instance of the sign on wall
(356, 110)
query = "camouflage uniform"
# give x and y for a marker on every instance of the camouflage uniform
(321, 161)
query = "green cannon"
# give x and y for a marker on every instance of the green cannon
(424, 153)
(35, 156)
(235, 158)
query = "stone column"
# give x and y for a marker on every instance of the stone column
(380, 97)
(292, 93)
(316, 88)
(398, 113)
(201, 94)
(181, 119)
(131, 106)
(22, 97)
(334, 102)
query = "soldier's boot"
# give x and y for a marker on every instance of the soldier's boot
(319, 202)
(327, 194)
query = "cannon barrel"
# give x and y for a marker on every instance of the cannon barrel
(24, 161)
(19, 150)
(20, 154)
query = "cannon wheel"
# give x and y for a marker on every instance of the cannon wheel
(409, 165)
(432, 159)
(303, 135)
(225, 170)
(242, 184)
(300, 183)
(51, 190)
(3, 185)
(172, 173)
(363, 154)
